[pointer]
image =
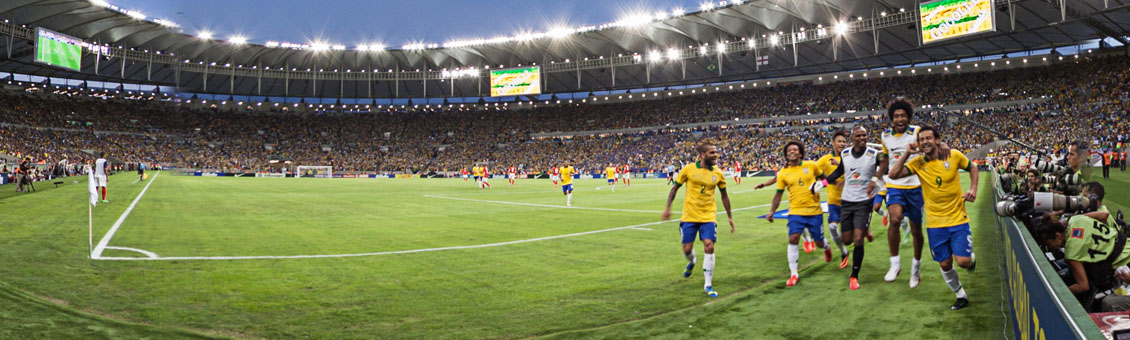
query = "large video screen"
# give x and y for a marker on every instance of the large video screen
(948, 19)
(515, 82)
(56, 49)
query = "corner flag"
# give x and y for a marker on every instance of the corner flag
(91, 186)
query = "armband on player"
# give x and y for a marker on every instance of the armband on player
(878, 181)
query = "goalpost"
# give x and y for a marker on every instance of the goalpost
(315, 171)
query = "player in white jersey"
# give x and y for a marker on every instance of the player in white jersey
(904, 195)
(857, 176)
(100, 167)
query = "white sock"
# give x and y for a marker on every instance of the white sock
(895, 261)
(915, 265)
(569, 198)
(834, 230)
(690, 257)
(794, 254)
(954, 283)
(708, 268)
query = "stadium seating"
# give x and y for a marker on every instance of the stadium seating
(52, 127)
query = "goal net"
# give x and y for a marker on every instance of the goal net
(315, 171)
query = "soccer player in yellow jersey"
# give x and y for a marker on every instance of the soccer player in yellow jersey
(947, 224)
(828, 163)
(610, 172)
(803, 180)
(567, 172)
(700, 178)
(478, 173)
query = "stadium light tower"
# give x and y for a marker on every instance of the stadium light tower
(672, 54)
(207, 35)
(841, 28)
(655, 56)
(237, 40)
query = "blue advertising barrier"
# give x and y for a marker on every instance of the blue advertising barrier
(1042, 306)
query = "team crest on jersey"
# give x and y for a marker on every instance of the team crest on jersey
(713, 178)
(946, 164)
(855, 175)
(805, 170)
(1077, 233)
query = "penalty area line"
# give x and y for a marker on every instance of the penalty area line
(224, 258)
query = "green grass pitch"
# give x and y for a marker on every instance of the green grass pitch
(522, 266)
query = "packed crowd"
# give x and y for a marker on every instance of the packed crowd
(1086, 99)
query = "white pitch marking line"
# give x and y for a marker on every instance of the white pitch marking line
(105, 241)
(546, 205)
(143, 251)
(644, 229)
(221, 258)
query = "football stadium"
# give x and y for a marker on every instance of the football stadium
(746, 169)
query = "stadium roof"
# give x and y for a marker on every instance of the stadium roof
(719, 43)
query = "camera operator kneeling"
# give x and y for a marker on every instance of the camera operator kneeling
(1094, 251)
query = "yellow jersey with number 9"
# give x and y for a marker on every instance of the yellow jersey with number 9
(941, 188)
(698, 205)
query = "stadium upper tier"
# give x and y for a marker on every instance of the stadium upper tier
(1075, 95)
(729, 41)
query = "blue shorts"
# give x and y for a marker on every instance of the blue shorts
(814, 224)
(879, 199)
(567, 188)
(833, 213)
(611, 180)
(950, 241)
(476, 178)
(911, 201)
(704, 230)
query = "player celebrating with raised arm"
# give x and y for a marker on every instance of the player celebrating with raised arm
(857, 176)
(951, 239)
(701, 178)
(828, 163)
(804, 181)
(567, 183)
(904, 195)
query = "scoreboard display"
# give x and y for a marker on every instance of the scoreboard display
(515, 82)
(947, 19)
(56, 49)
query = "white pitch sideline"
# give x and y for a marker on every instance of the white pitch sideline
(105, 241)
(225, 258)
(548, 205)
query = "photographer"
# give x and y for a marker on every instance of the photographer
(22, 178)
(1035, 183)
(1078, 153)
(1095, 252)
